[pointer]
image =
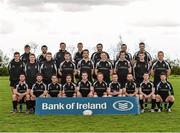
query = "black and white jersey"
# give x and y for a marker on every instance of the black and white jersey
(104, 67)
(139, 68)
(21, 87)
(147, 87)
(84, 88)
(147, 56)
(96, 57)
(115, 86)
(130, 87)
(100, 88)
(67, 67)
(40, 59)
(25, 57)
(59, 57)
(38, 89)
(54, 89)
(77, 57)
(85, 66)
(164, 89)
(128, 56)
(69, 89)
(48, 68)
(15, 69)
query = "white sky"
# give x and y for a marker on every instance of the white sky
(157, 22)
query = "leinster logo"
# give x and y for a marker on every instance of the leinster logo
(123, 105)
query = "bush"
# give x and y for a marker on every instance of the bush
(4, 71)
(176, 70)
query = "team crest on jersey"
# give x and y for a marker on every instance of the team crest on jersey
(41, 87)
(72, 87)
(51, 66)
(164, 65)
(29, 67)
(107, 64)
(71, 65)
(57, 87)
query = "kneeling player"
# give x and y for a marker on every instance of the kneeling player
(100, 87)
(38, 90)
(54, 89)
(147, 93)
(115, 86)
(130, 87)
(69, 88)
(165, 93)
(21, 94)
(84, 88)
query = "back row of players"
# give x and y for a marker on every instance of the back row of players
(99, 69)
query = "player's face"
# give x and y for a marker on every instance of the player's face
(54, 79)
(141, 56)
(84, 76)
(67, 57)
(160, 56)
(141, 47)
(32, 58)
(22, 78)
(146, 77)
(115, 78)
(44, 50)
(100, 77)
(80, 47)
(39, 78)
(68, 79)
(123, 48)
(17, 57)
(103, 56)
(48, 57)
(86, 54)
(99, 48)
(62, 46)
(129, 77)
(163, 78)
(122, 56)
(27, 50)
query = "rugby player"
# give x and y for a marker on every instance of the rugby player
(21, 94)
(79, 54)
(147, 93)
(25, 56)
(164, 94)
(42, 57)
(84, 87)
(128, 56)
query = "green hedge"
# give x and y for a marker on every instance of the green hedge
(4, 71)
(175, 70)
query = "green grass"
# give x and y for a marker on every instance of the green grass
(160, 122)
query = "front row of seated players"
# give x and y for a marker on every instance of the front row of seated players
(162, 94)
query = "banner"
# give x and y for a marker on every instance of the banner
(87, 106)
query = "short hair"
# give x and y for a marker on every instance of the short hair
(141, 53)
(99, 44)
(44, 46)
(142, 43)
(160, 52)
(16, 53)
(99, 73)
(146, 73)
(48, 53)
(122, 52)
(69, 75)
(39, 74)
(80, 43)
(123, 44)
(54, 75)
(22, 74)
(114, 74)
(163, 73)
(26, 46)
(62, 43)
(31, 54)
(67, 53)
(85, 50)
(103, 53)
(84, 72)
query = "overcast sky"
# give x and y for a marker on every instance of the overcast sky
(157, 22)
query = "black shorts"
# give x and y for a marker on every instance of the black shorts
(164, 97)
(69, 94)
(22, 100)
(53, 94)
(13, 83)
(37, 94)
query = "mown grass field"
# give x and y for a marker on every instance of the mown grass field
(147, 122)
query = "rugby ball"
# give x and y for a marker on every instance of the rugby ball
(87, 112)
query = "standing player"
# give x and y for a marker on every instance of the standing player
(86, 65)
(48, 68)
(115, 87)
(128, 56)
(164, 93)
(139, 68)
(84, 87)
(147, 93)
(130, 87)
(69, 88)
(160, 66)
(15, 68)
(67, 67)
(104, 66)
(79, 54)
(100, 87)
(122, 68)
(21, 94)
(38, 90)
(147, 56)
(54, 89)
(42, 57)
(25, 56)
(31, 69)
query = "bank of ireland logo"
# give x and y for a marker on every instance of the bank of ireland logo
(123, 105)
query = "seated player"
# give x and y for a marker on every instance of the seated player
(38, 90)
(130, 87)
(147, 93)
(115, 86)
(69, 88)
(164, 93)
(21, 94)
(84, 88)
(100, 87)
(54, 89)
